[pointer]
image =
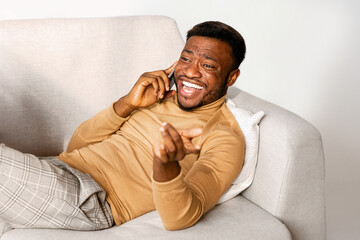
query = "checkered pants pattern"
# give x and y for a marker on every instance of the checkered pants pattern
(47, 193)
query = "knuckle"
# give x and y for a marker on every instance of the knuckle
(180, 156)
(171, 150)
(177, 138)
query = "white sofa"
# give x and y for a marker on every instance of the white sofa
(55, 73)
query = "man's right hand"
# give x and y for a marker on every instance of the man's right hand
(150, 88)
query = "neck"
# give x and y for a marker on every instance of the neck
(213, 105)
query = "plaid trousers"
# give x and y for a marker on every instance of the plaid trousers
(47, 193)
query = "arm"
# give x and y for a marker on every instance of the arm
(181, 201)
(96, 129)
(149, 88)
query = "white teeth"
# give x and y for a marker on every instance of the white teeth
(187, 84)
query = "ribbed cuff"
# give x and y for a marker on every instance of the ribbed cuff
(175, 183)
(112, 117)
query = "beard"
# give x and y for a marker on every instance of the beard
(209, 97)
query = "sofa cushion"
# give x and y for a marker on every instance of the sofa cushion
(237, 218)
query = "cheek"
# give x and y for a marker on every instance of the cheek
(180, 68)
(209, 79)
(216, 88)
(213, 80)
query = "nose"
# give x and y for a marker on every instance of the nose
(192, 71)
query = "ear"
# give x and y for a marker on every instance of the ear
(232, 77)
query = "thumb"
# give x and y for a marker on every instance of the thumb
(190, 133)
(169, 69)
(170, 94)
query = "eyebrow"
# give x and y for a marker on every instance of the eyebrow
(204, 55)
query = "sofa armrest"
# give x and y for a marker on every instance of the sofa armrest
(289, 178)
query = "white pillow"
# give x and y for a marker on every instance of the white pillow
(248, 123)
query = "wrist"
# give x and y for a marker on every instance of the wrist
(164, 172)
(123, 108)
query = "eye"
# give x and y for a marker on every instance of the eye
(208, 66)
(185, 59)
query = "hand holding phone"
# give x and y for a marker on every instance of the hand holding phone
(171, 83)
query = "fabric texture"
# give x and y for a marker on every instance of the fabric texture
(48, 194)
(4, 227)
(248, 123)
(78, 65)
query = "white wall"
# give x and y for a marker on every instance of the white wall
(302, 55)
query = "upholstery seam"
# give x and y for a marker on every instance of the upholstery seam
(282, 185)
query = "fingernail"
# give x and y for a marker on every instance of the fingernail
(164, 123)
(162, 129)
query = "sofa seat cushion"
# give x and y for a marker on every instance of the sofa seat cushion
(237, 218)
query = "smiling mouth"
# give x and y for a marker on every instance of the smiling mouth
(189, 86)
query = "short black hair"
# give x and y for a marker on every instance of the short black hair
(222, 32)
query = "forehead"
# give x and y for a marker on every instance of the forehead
(209, 47)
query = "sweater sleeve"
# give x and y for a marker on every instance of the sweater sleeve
(96, 129)
(183, 200)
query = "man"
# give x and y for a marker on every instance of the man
(155, 148)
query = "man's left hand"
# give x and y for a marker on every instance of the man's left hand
(175, 145)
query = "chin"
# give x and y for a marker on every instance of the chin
(186, 105)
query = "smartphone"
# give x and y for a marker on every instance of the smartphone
(172, 78)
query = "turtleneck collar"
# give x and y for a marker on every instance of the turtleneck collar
(205, 108)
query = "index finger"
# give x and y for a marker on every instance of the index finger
(171, 68)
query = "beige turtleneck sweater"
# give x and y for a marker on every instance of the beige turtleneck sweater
(117, 153)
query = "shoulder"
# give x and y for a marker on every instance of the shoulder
(223, 147)
(223, 134)
(223, 125)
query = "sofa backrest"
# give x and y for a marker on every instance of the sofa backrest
(56, 73)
